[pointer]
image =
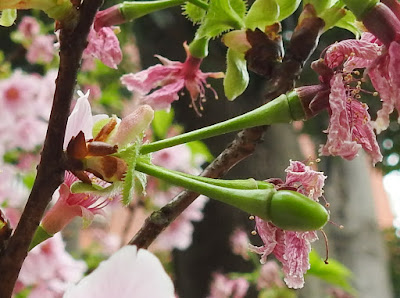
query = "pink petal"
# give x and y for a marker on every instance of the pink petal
(127, 273)
(148, 79)
(163, 97)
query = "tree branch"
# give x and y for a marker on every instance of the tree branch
(50, 173)
(302, 45)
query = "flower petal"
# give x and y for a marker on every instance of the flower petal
(127, 273)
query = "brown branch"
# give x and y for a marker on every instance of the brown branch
(50, 173)
(303, 43)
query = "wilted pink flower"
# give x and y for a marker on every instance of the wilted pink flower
(104, 45)
(223, 287)
(289, 247)
(70, 205)
(350, 125)
(127, 273)
(240, 243)
(49, 270)
(171, 77)
(41, 50)
(29, 27)
(305, 179)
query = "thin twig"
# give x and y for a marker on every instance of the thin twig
(50, 173)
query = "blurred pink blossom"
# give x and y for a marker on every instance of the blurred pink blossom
(179, 233)
(127, 273)
(171, 77)
(223, 287)
(240, 243)
(29, 27)
(41, 50)
(269, 276)
(49, 270)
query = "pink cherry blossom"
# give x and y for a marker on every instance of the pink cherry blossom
(127, 273)
(70, 205)
(289, 247)
(160, 84)
(104, 45)
(350, 125)
(49, 270)
(41, 50)
(223, 287)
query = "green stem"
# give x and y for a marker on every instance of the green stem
(199, 47)
(253, 201)
(235, 184)
(283, 109)
(136, 9)
(199, 3)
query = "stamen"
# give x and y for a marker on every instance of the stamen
(253, 233)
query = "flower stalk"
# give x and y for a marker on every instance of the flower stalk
(283, 109)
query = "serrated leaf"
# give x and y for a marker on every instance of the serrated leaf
(162, 122)
(237, 77)
(262, 13)
(199, 148)
(334, 273)
(7, 17)
(222, 15)
(193, 12)
(349, 22)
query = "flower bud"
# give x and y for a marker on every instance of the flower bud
(290, 210)
(132, 126)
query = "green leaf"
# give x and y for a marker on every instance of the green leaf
(8, 17)
(287, 8)
(198, 147)
(334, 273)
(349, 22)
(162, 122)
(267, 12)
(262, 13)
(237, 77)
(222, 15)
(193, 12)
(320, 5)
